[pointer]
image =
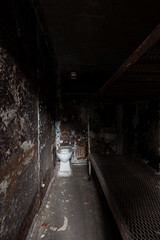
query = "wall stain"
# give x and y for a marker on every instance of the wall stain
(20, 89)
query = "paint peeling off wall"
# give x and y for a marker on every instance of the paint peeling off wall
(18, 146)
(72, 129)
(20, 157)
(7, 116)
(4, 185)
(46, 150)
(26, 145)
(29, 158)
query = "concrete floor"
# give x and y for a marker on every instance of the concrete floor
(76, 209)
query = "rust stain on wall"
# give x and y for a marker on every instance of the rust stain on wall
(18, 145)
(20, 191)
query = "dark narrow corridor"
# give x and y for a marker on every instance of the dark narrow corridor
(79, 120)
(75, 208)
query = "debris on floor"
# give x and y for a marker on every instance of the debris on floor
(67, 215)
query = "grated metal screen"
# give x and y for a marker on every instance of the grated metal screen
(153, 52)
(133, 193)
(145, 67)
(149, 62)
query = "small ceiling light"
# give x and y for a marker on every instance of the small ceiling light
(73, 75)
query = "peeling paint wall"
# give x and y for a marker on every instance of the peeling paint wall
(46, 150)
(18, 146)
(26, 125)
(73, 127)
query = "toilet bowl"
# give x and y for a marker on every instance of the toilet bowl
(64, 154)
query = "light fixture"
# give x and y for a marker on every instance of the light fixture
(73, 75)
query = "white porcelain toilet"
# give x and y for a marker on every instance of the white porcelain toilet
(64, 154)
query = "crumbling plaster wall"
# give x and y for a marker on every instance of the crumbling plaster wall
(46, 141)
(73, 126)
(18, 147)
(26, 121)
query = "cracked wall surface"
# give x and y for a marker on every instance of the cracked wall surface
(18, 146)
(26, 121)
(73, 127)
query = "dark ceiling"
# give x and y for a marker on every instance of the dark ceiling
(100, 33)
(94, 37)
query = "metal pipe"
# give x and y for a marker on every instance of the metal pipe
(38, 152)
(89, 149)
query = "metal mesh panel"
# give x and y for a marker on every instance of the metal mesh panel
(149, 62)
(133, 192)
(153, 53)
(147, 67)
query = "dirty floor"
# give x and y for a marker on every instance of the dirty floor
(76, 209)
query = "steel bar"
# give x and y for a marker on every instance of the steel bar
(150, 41)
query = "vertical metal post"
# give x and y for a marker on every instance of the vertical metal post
(38, 114)
(38, 150)
(89, 149)
(120, 137)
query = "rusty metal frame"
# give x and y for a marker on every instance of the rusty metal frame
(132, 191)
(149, 42)
(105, 189)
